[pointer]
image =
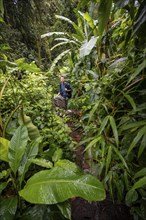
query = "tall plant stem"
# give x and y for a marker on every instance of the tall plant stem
(7, 122)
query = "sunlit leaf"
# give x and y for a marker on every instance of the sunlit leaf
(64, 18)
(31, 67)
(53, 33)
(89, 19)
(90, 22)
(59, 184)
(88, 46)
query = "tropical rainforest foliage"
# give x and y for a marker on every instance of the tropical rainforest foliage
(100, 45)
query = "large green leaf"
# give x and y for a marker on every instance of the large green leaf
(4, 144)
(87, 46)
(103, 14)
(8, 208)
(61, 183)
(77, 29)
(31, 67)
(17, 147)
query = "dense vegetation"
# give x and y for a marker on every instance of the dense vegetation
(100, 45)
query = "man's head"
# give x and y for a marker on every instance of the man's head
(62, 78)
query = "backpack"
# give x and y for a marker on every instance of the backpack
(69, 93)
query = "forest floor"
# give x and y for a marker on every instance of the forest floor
(84, 210)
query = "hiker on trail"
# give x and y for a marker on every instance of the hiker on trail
(65, 91)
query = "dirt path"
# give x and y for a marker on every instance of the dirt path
(84, 210)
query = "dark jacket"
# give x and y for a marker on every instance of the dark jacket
(65, 90)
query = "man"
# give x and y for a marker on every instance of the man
(64, 94)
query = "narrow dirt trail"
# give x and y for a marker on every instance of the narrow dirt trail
(84, 210)
(81, 209)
